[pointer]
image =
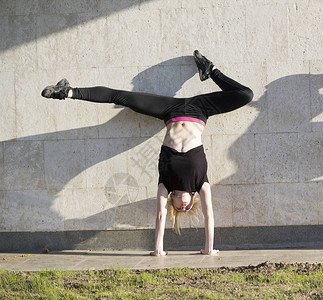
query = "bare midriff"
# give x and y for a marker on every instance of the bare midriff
(183, 135)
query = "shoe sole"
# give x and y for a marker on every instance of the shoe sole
(198, 57)
(49, 90)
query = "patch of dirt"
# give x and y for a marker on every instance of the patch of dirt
(16, 257)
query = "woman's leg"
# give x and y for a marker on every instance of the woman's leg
(233, 96)
(148, 104)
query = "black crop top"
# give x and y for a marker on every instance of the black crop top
(183, 171)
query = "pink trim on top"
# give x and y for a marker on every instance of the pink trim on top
(185, 119)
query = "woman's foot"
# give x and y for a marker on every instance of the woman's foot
(203, 64)
(58, 91)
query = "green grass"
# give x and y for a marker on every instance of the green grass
(265, 281)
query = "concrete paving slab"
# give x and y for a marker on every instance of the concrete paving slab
(99, 260)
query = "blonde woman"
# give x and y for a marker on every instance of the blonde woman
(182, 162)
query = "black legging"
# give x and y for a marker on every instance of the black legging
(232, 96)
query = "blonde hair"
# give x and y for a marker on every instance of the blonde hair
(174, 214)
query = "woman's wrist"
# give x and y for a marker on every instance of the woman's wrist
(209, 252)
(158, 253)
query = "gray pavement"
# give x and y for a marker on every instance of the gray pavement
(97, 260)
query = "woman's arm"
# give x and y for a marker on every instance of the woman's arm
(206, 202)
(162, 196)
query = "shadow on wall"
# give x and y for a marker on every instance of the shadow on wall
(29, 186)
(290, 106)
(286, 185)
(60, 14)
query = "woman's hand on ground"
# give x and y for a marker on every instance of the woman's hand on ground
(162, 253)
(213, 252)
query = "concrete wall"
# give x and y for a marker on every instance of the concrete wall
(75, 166)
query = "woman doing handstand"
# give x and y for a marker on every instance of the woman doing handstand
(182, 163)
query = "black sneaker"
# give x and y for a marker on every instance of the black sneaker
(58, 91)
(203, 64)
